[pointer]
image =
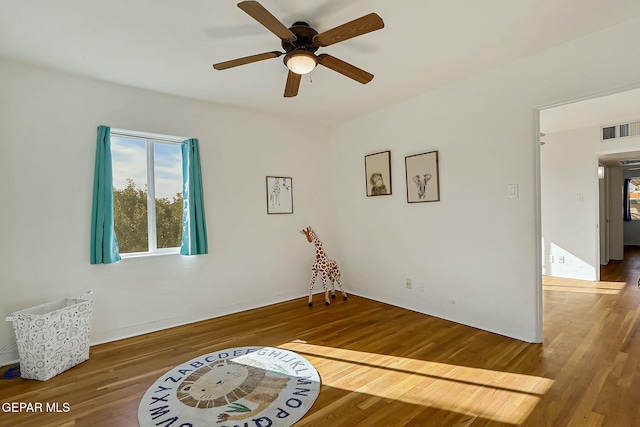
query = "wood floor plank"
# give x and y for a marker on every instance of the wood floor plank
(386, 366)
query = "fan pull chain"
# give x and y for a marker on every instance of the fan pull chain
(310, 79)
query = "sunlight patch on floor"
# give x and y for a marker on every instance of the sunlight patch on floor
(550, 283)
(495, 395)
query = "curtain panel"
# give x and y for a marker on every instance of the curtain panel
(104, 246)
(194, 227)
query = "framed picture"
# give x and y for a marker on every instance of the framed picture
(279, 195)
(423, 177)
(377, 171)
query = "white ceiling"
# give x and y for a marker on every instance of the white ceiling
(614, 159)
(170, 46)
(602, 111)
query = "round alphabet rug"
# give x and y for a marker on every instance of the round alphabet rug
(244, 386)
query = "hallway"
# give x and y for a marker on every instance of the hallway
(627, 270)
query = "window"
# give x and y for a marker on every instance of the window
(147, 192)
(633, 198)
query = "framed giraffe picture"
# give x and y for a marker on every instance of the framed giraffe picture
(279, 195)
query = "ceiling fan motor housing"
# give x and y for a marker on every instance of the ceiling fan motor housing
(304, 38)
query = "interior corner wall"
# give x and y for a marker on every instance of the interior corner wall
(48, 141)
(477, 250)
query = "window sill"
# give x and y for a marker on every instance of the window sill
(148, 254)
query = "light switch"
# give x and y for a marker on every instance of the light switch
(513, 191)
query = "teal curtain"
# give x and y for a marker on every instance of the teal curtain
(194, 227)
(104, 246)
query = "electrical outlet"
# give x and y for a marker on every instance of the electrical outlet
(561, 259)
(408, 283)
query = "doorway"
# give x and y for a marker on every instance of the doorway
(581, 214)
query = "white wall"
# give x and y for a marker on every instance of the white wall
(476, 250)
(571, 202)
(616, 214)
(48, 122)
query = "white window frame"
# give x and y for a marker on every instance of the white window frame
(150, 139)
(628, 201)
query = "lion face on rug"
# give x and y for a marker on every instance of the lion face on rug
(225, 382)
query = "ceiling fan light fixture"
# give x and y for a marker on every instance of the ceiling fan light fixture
(301, 61)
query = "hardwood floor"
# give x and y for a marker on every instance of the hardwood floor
(384, 366)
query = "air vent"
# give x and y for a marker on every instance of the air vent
(630, 162)
(608, 132)
(622, 130)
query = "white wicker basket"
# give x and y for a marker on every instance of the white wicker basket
(52, 337)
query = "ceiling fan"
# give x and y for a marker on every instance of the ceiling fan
(300, 41)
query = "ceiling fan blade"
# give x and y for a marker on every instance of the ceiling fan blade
(345, 68)
(293, 84)
(246, 60)
(270, 22)
(357, 27)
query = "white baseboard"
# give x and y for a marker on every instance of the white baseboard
(11, 356)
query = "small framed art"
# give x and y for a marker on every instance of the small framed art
(423, 177)
(377, 171)
(279, 195)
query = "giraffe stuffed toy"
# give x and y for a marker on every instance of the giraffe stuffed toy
(327, 268)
